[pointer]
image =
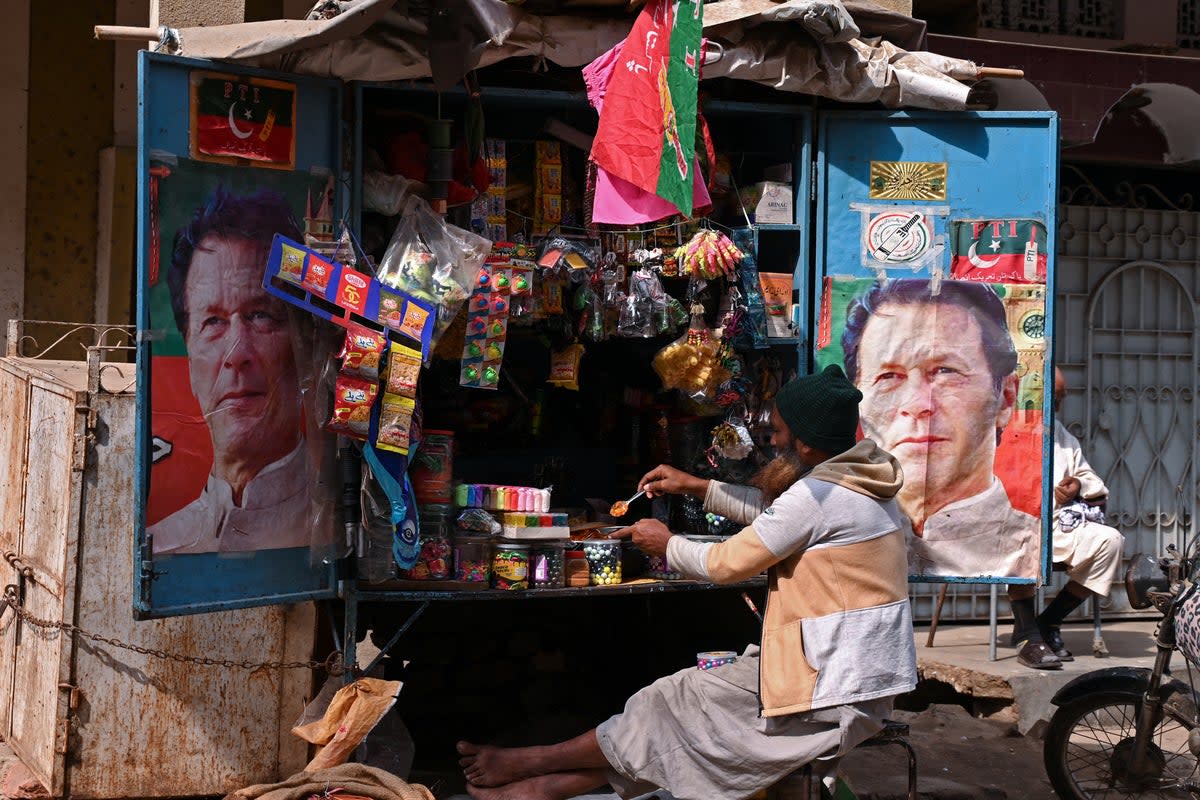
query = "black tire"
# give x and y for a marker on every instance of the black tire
(1086, 733)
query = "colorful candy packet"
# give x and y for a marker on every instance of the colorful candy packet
(352, 401)
(362, 352)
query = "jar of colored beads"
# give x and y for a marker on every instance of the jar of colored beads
(604, 561)
(546, 565)
(510, 566)
(472, 559)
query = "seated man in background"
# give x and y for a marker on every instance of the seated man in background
(837, 641)
(1090, 550)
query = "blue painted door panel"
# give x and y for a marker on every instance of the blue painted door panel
(174, 190)
(911, 195)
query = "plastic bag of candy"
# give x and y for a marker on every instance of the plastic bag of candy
(476, 520)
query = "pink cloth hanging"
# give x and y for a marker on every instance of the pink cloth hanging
(617, 201)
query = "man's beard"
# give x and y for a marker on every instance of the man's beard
(778, 475)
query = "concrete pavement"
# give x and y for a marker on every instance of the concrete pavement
(959, 659)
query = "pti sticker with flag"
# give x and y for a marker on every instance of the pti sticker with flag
(998, 250)
(647, 130)
(239, 117)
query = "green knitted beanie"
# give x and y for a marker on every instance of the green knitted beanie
(821, 410)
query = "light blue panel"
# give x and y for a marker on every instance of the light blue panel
(1000, 165)
(187, 584)
(998, 162)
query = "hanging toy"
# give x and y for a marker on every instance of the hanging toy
(708, 255)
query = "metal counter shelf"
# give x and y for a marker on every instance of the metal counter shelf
(638, 586)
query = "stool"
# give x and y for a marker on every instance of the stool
(1099, 648)
(893, 733)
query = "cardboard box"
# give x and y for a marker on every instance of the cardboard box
(777, 297)
(769, 203)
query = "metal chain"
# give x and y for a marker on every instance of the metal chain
(332, 664)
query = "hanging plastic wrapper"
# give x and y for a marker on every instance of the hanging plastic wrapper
(692, 363)
(756, 306)
(432, 261)
(638, 306)
(561, 252)
(647, 309)
(564, 367)
(731, 439)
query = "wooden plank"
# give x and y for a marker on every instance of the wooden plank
(14, 410)
(52, 495)
(37, 704)
(51, 485)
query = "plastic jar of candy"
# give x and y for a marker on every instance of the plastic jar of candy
(432, 468)
(437, 515)
(660, 569)
(715, 658)
(547, 565)
(510, 566)
(575, 566)
(604, 561)
(472, 559)
(434, 558)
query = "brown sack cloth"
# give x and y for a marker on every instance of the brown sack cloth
(350, 779)
(351, 715)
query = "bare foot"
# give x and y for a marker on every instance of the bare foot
(487, 766)
(555, 786)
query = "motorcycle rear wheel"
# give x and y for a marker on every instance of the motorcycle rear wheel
(1087, 738)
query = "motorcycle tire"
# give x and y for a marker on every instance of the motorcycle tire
(1088, 736)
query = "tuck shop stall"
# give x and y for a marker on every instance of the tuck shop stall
(421, 296)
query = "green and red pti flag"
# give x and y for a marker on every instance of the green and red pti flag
(998, 250)
(647, 131)
(234, 116)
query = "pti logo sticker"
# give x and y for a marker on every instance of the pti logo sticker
(898, 237)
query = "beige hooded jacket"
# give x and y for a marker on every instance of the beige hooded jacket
(837, 626)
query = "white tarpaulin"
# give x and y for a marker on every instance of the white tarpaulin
(810, 46)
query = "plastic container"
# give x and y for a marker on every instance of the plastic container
(604, 561)
(714, 658)
(432, 468)
(660, 569)
(434, 559)
(435, 517)
(510, 566)
(575, 567)
(472, 559)
(547, 565)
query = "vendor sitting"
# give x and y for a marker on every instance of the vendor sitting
(837, 642)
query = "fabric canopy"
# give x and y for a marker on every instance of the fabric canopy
(844, 51)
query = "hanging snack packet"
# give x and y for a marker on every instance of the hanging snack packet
(362, 352)
(352, 401)
(403, 371)
(564, 367)
(395, 423)
(291, 266)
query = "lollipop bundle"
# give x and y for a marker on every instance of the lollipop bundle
(709, 255)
